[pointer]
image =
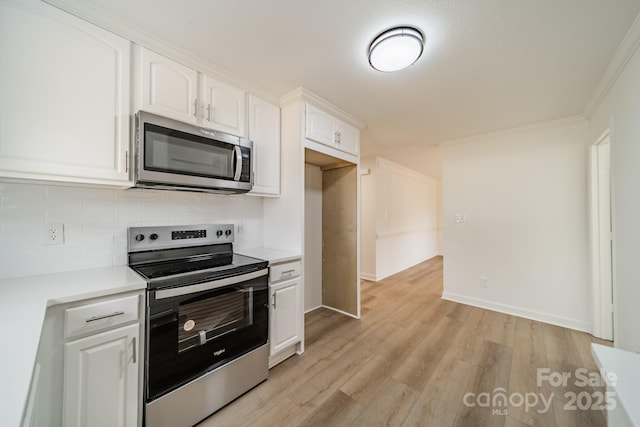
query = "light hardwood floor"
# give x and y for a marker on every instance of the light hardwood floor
(412, 359)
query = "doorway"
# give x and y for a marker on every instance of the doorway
(602, 238)
(332, 235)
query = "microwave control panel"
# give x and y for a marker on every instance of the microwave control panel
(245, 176)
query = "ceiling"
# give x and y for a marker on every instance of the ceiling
(488, 64)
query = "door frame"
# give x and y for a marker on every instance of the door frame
(602, 290)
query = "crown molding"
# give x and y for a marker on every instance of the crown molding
(102, 18)
(513, 131)
(302, 94)
(625, 51)
(382, 162)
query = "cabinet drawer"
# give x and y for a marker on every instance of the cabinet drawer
(101, 315)
(284, 271)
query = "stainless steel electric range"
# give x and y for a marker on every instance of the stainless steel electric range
(206, 324)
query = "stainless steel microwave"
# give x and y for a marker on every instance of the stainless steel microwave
(179, 156)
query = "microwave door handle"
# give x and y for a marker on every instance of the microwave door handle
(238, 154)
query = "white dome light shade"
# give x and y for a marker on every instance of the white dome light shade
(396, 49)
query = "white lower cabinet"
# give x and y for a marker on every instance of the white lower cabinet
(89, 364)
(101, 379)
(286, 312)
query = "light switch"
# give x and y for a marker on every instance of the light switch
(461, 218)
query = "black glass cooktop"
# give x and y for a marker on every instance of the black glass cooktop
(175, 267)
(162, 269)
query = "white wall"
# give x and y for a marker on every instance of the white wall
(368, 218)
(426, 160)
(620, 112)
(312, 237)
(439, 222)
(524, 194)
(399, 218)
(285, 214)
(96, 220)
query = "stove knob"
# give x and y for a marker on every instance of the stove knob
(227, 233)
(139, 237)
(153, 236)
(219, 233)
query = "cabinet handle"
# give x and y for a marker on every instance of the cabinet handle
(106, 316)
(288, 271)
(134, 357)
(274, 300)
(195, 108)
(337, 137)
(209, 112)
(126, 161)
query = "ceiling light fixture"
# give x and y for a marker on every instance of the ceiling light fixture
(396, 49)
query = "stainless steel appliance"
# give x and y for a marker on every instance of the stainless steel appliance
(174, 155)
(207, 320)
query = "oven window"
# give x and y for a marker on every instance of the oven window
(169, 150)
(209, 318)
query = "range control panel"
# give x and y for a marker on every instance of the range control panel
(191, 234)
(166, 237)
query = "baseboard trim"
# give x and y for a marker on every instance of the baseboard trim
(340, 311)
(370, 277)
(312, 309)
(519, 311)
(282, 355)
(377, 278)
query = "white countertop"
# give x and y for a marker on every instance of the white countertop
(23, 303)
(626, 367)
(274, 256)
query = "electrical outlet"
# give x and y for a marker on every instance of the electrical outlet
(484, 282)
(461, 218)
(240, 227)
(54, 233)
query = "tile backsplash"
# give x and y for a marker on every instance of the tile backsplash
(96, 220)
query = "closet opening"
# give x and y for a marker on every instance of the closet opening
(332, 234)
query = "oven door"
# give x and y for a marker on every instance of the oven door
(173, 153)
(196, 328)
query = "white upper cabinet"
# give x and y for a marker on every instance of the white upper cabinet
(320, 126)
(264, 131)
(223, 107)
(168, 88)
(65, 96)
(324, 128)
(347, 138)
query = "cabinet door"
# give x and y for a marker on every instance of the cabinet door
(64, 104)
(347, 138)
(285, 315)
(168, 88)
(101, 379)
(264, 131)
(320, 126)
(224, 107)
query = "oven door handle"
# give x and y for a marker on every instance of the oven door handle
(207, 286)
